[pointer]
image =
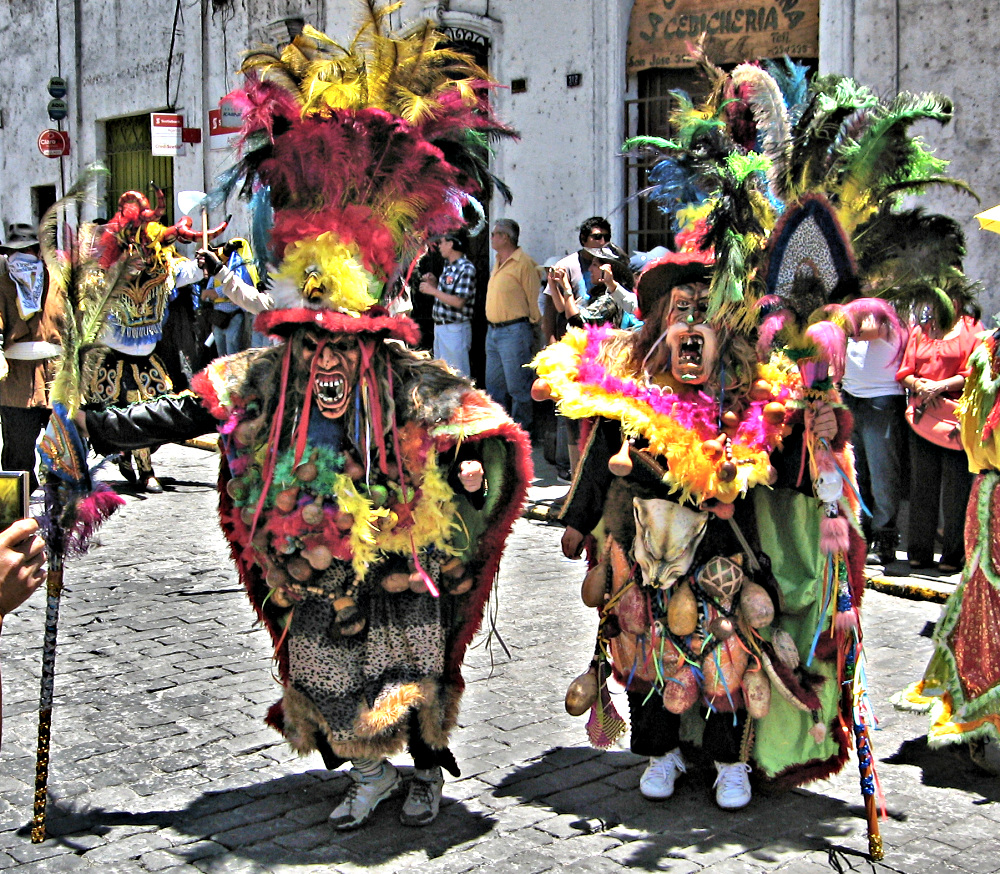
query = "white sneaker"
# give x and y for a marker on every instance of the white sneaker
(424, 798)
(365, 794)
(732, 786)
(657, 781)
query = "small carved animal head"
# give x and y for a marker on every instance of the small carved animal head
(666, 537)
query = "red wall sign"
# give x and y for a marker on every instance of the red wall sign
(53, 143)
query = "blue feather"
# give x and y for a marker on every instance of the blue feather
(672, 187)
(793, 82)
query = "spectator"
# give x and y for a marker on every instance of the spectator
(610, 297)
(933, 371)
(454, 298)
(231, 290)
(29, 346)
(876, 402)
(22, 559)
(595, 233)
(511, 310)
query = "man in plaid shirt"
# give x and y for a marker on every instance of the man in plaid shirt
(454, 295)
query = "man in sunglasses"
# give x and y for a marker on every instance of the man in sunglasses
(595, 233)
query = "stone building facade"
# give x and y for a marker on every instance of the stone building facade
(571, 91)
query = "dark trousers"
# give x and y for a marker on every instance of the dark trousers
(656, 731)
(879, 438)
(940, 483)
(20, 428)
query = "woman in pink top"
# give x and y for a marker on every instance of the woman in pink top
(934, 365)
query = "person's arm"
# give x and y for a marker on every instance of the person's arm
(549, 317)
(465, 285)
(243, 294)
(5, 292)
(529, 284)
(22, 570)
(628, 301)
(232, 285)
(585, 504)
(167, 419)
(22, 556)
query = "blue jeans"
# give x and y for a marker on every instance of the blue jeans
(451, 345)
(227, 339)
(878, 436)
(508, 381)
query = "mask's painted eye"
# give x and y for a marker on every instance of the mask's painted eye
(309, 342)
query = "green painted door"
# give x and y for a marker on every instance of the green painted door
(133, 166)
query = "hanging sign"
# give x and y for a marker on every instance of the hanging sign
(224, 125)
(166, 129)
(53, 143)
(734, 31)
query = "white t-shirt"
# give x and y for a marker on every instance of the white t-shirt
(870, 371)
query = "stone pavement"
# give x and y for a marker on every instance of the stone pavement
(160, 760)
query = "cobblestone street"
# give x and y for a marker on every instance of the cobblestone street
(161, 761)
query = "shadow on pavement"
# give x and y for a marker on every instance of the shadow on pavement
(282, 820)
(947, 767)
(598, 793)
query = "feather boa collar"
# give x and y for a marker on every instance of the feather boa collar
(585, 385)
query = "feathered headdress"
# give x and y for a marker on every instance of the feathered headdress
(352, 157)
(800, 184)
(75, 503)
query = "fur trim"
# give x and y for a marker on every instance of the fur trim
(390, 709)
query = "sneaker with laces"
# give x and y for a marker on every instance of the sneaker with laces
(365, 794)
(657, 781)
(732, 786)
(424, 798)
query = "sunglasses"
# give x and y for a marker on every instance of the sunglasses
(599, 236)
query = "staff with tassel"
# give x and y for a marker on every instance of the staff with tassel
(826, 339)
(74, 505)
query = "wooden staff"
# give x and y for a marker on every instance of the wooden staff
(867, 768)
(54, 586)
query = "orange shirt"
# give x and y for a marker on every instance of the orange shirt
(940, 359)
(513, 289)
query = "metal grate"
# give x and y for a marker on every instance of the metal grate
(132, 164)
(649, 115)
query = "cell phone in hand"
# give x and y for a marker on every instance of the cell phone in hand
(13, 497)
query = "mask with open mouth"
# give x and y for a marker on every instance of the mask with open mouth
(691, 341)
(693, 353)
(336, 371)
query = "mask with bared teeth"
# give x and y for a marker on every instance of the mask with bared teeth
(335, 371)
(691, 342)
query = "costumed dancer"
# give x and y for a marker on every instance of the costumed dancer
(29, 346)
(688, 424)
(710, 594)
(131, 371)
(366, 490)
(961, 684)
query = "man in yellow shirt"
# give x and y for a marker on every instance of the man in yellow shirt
(512, 311)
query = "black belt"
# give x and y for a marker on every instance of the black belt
(511, 322)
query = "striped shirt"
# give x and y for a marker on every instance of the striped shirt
(459, 279)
